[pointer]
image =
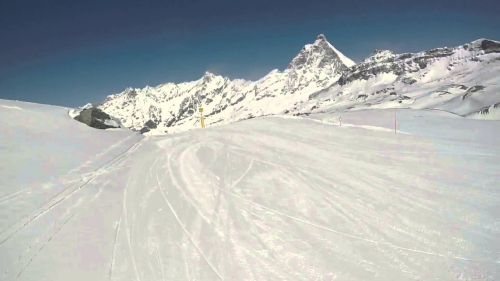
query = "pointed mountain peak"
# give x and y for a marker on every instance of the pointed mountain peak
(320, 54)
(321, 37)
(321, 42)
(208, 74)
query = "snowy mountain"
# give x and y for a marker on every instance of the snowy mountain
(173, 107)
(462, 80)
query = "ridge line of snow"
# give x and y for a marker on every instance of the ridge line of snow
(347, 61)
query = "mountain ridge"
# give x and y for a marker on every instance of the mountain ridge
(301, 88)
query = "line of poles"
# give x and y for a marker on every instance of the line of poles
(395, 121)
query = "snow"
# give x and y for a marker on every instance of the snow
(10, 107)
(347, 61)
(41, 142)
(273, 198)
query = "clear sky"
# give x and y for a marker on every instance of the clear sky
(72, 52)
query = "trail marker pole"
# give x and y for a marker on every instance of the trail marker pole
(202, 118)
(395, 123)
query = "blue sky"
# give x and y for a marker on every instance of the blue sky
(73, 52)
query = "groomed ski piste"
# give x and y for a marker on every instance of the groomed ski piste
(271, 198)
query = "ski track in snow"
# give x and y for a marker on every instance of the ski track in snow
(185, 230)
(6, 198)
(269, 199)
(65, 194)
(352, 236)
(113, 254)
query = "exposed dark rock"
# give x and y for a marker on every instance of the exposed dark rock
(486, 110)
(239, 99)
(474, 89)
(439, 53)
(408, 80)
(383, 91)
(461, 87)
(490, 46)
(144, 130)
(217, 111)
(96, 118)
(132, 94)
(421, 62)
(169, 122)
(405, 56)
(442, 93)
(151, 124)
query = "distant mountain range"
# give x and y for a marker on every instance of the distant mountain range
(462, 80)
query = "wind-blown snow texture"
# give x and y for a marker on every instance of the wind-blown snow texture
(463, 80)
(272, 198)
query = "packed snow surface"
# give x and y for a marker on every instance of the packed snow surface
(274, 198)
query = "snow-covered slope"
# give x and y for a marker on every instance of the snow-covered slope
(40, 142)
(174, 107)
(464, 80)
(272, 198)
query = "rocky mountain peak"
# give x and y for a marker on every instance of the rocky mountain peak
(211, 78)
(320, 54)
(321, 37)
(486, 45)
(380, 56)
(208, 76)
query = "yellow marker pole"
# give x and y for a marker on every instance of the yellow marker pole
(202, 118)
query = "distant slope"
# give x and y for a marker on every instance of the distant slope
(39, 142)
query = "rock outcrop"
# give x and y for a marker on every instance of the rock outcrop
(96, 118)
